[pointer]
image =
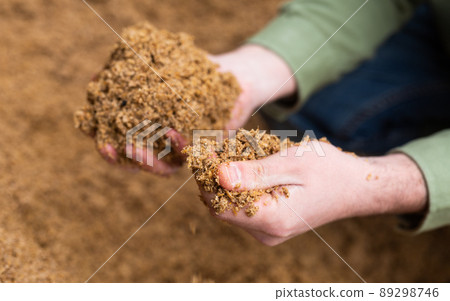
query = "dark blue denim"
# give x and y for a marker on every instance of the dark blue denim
(401, 94)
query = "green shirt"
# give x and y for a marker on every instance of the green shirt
(301, 29)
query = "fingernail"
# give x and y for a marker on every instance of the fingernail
(109, 153)
(234, 175)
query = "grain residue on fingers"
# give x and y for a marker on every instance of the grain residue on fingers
(205, 164)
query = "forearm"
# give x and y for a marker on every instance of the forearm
(395, 185)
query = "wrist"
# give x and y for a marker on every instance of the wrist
(262, 74)
(396, 185)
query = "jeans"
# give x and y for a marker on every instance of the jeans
(401, 94)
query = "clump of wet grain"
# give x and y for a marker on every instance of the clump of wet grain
(205, 157)
(177, 86)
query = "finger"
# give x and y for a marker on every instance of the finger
(150, 162)
(228, 216)
(258, 174)
(266, 205)
(178, 142)
(108, 153)
(274, 222)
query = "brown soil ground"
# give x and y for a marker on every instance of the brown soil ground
(65, 211)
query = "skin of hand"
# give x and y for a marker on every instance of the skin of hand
(259, 72)
(263, 76)
(322, 189)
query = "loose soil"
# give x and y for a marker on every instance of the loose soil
(65, 211)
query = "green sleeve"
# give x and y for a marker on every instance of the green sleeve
(432, 155)
(304, 25)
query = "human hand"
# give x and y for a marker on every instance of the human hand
(178, 142)
(263, 76)
(322, 189)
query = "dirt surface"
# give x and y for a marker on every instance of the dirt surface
(65, 211)
(172, 83)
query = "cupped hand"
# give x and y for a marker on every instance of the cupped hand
(177, 143)
(262, 76)
(322, 189)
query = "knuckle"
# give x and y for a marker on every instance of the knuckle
(259, 171)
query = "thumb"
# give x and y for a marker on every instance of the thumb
(258, 174)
